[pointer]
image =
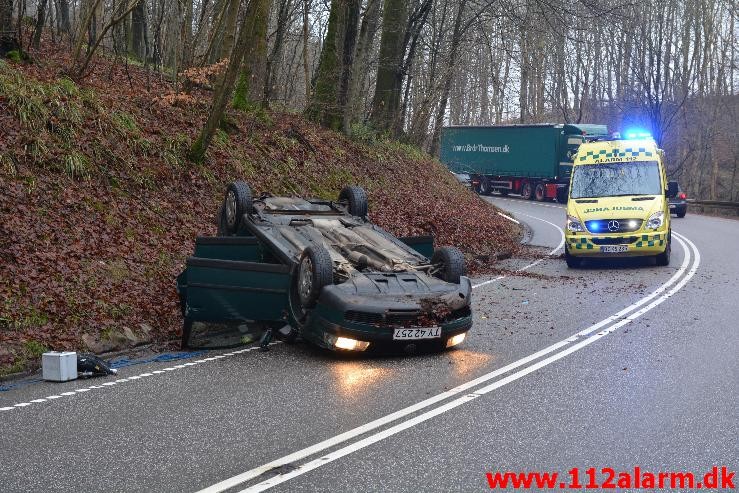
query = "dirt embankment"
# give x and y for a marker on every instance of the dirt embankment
(99, 206)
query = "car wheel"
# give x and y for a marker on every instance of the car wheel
(315, 271)
(663, 259)
(236, 203)
(572, 261)
(355, 198)
(526, 191)
(682, 212)
(540, 192)
(484, 186)
(449, 263)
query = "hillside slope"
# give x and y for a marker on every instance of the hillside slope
(99, 206)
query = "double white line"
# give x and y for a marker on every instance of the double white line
(463, 393)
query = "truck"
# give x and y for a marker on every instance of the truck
(534, 161)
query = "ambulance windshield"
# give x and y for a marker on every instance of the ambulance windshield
(616, 179)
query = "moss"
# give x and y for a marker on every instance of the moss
(14, 56)
(240, 100)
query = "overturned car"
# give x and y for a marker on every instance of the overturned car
(321, 270)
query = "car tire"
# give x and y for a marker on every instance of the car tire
(540, 192)
(682, 212)
(526, 190)
(484, 187)
(663, 259)
(236, 203)
(450, 264)
(572, 261)
(355, 199)
(315, 271)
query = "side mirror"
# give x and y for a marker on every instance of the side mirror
(671, 189)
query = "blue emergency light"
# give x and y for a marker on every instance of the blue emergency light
(637, 134)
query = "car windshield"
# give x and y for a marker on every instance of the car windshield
(616, 179)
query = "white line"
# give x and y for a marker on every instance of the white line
(560, 245)
(509, 218)
(343, 437)
(337, 454)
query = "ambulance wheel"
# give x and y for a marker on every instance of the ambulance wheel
(663, 259)
(540, 192)
(572, 261)
(562, 195)
(526, 191)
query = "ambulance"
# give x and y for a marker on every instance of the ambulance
(618, 201)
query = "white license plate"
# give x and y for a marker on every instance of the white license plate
(672, 206)
(614, 248)
(415, 333)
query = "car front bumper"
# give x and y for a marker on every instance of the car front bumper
(637, 244)
(321, 326)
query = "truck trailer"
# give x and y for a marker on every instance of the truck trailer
(534, 161)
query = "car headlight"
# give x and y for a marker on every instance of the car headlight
(574, 224)
(656, 220)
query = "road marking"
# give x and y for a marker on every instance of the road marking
(527, 202)
(560, 245)
(582, 336)
(509, 218)
(133, 378)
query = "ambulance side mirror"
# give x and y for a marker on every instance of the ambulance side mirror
(671, 189)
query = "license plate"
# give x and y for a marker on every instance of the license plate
(672, 206)
(614, 249)
(416, 333)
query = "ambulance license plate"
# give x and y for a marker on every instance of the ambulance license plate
(614, 249)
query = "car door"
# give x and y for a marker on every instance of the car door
(233, 279)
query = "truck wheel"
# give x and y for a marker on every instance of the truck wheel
(572, 262)
(236, 203)
(663, 259)
(504, 192)
(355, 198)
(540, 192)
(484, 186)
(526, 191)
(449, 263)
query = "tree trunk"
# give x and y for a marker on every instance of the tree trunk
(361, 62)
(186, 34)
(386, 101)
(138, 31)
(441, 110)
(229, 29)
(254, 68)
(306, 64)
(63, 6)
(40, 21)
(335, 65)
(276, 54)
(222, 95)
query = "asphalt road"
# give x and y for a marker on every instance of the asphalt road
(614, 365)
